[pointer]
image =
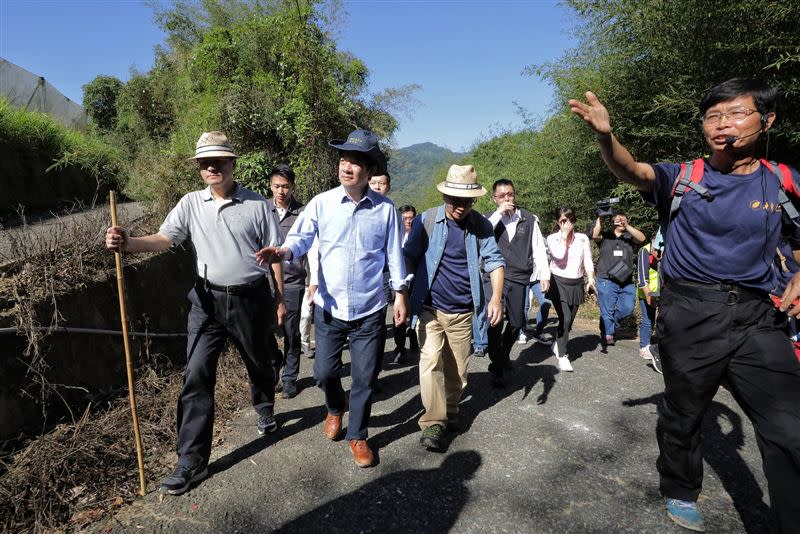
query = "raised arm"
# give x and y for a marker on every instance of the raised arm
(615, 156)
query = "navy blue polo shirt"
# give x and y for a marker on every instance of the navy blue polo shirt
(731, 239)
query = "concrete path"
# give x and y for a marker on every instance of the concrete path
(555, 452)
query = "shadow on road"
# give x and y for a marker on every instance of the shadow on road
(723, 437)
(414, 500)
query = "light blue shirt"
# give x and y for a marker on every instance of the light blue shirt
(356, 240)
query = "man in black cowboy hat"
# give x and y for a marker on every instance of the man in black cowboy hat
(359, 231)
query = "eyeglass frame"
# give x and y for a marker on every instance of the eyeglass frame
(717, 116)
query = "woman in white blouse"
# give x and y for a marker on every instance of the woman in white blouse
(570, 261)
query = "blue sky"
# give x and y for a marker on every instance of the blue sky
(467, 55)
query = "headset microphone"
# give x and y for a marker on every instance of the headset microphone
(731, 139)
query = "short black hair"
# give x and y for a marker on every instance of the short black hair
(765, 96)
(407, 207)
(386, 174)
(282, 169)
(501, 181)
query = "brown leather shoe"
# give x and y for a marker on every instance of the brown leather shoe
(362, 454)
(333, 426)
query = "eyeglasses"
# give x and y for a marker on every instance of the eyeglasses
(509, 194)
(459, 202)
(217, 163)
(737, 114)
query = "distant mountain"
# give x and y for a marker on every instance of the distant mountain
(413, 168)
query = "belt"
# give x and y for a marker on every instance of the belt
(724, 293)
(239, 289)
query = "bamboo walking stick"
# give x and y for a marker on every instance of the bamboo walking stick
(112, 198)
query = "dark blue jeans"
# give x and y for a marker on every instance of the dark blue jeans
(616, 303)
(365, 336)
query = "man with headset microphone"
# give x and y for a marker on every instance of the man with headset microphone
(717, 322)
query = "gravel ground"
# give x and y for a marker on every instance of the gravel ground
(553, 452)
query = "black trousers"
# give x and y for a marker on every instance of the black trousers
(702, 343)
(214, 318)
(501, 340)
(292, 298)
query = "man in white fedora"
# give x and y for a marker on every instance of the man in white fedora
(231, 299)
(445, 249)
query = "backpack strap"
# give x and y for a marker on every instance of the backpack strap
(694, 170)
(788, 188)
(429, 220)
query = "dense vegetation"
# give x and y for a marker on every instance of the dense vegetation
(649, 62)
(266, 73)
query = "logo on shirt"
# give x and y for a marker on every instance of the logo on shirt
(772, 207)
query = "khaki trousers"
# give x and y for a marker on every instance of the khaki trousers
(445, 341)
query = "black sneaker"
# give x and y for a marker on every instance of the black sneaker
(543, 338)
(267, 424)
(289, 389)
(656, 359)
(432, 437)
(183, 477)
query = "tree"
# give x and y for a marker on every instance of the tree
(100, 100)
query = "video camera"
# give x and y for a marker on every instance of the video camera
(604, 206)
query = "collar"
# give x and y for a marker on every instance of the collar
(236, 194)
(373, 197)
(293, 208)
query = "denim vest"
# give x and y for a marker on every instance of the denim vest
(480, 245)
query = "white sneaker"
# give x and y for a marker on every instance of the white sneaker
(645, 353)
(522, 339)
(563, 364)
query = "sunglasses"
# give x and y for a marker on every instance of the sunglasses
(217, 163)
(460, 202)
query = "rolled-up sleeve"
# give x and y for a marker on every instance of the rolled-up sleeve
(398, 278)
(490, 253)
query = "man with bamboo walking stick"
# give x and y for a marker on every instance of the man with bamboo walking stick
(231, 299)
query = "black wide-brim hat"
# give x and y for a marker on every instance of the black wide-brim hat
(363, 141)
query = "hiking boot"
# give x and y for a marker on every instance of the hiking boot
(564, 364)
(267, 424)
(183, 477)
(685, 514)
(432, 437)
(289, 389)
(644, 352)
(656, 359)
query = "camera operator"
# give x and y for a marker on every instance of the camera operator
(615, 289)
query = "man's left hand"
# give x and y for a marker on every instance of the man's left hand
(494, 311)
(791, 293)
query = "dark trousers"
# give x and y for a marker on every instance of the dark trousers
(214, 318)
(703, 343)
(566, 314)
(364, 336)
(501, 340)
(292, 297)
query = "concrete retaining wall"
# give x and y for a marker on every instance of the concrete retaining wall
(156, 301)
